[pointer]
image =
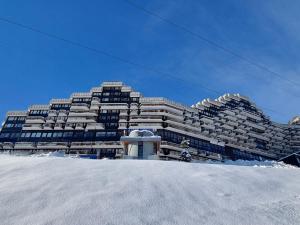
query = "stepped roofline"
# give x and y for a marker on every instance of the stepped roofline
(201, 105)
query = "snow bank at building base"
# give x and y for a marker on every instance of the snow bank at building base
(65, 191)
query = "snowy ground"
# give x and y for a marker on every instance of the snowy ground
(52, 190)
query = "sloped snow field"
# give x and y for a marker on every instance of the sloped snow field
(65, 191)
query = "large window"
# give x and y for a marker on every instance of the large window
(68, 134)
(100, 134)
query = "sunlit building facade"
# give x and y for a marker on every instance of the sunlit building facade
(92, 123)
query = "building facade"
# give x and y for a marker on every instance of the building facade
(92, 123)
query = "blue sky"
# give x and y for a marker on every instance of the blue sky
(35, 68)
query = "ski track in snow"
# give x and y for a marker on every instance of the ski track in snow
(65, 191)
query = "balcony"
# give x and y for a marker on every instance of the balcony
(231, 118)
(58, 127)
(24, 146)
(95, 126)
(208, 126)
(79, 107)
(146, 120)
(48, 126)
(228, 112)
(240, 131)
(81, 145)
(32, 127)
(48, 120)
(242, 137)
(252, 116)
(81, 120)
(35, 120)
(223, 137)
(207, 120)
(241, 117)
(52, 146)
(52, 113)
(7, 146)
(261, 137)
(146, 126)
(62, 113)
(70, 126)
(225, 126)
(259, 127)
(83, 114)
(231, 123)
(61, 119)
(79, 127)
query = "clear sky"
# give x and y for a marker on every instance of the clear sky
(35, 68)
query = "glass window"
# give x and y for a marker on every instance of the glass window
(68, 134)
(100, 134)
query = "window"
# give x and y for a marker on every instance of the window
(89, 134)
(3, 135)
(11, 118)
(125, 99)
(100, 134)
(49, 135)
(27, 135)
(15, 135)
(97, 94)
(8, 125)
(44, 135)
(68, 134)
(78, 134)
(110, 134)
(38, 134)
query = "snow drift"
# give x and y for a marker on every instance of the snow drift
(43, 190)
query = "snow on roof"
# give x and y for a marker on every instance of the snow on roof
(141, 133)
(295, 120)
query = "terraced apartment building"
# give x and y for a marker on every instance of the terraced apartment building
(92, 123)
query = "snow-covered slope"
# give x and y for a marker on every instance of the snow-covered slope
(74, 191)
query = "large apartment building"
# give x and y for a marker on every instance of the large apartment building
(92, 123)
